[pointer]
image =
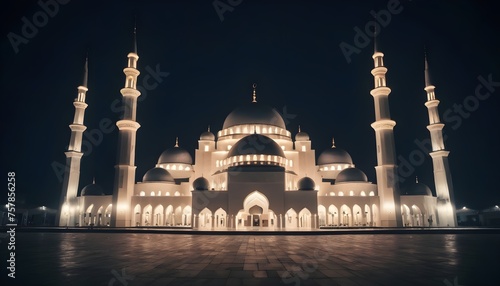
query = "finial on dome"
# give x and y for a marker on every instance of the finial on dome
(176, 142)
(416, 179)
(208, 128)
(333, 142)
(254, 96)
(299, 129)
(93, 180)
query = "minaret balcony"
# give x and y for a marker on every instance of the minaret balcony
(435, 126)
(73, 154)
(377, 54)
(383, 124)
(432, 103)
(133, 55)
(380, 91)
(77, 127)
(439, 153)
(429, 88)
(127, 91)
(80, 104)
(82, 88)
(379, 71)
(131, 71)
(127, 125)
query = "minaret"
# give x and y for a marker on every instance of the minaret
(68, 214)
(127, 129)
(442, 176)
(386, 169)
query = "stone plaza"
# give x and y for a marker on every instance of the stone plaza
(204, 259)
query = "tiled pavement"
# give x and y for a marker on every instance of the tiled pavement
(170, 259)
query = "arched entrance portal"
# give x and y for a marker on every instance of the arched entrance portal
(205, 219)
(220, 217)
(256, 212)
(406, 215)
(304, 219)
(136, 218)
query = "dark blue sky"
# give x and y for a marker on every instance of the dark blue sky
(289, 48)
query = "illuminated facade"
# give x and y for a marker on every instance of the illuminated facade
(253, 174)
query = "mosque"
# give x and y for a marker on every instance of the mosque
(254, 174)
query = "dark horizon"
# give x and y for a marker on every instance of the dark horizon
(292, 51)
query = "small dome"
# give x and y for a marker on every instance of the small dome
(302, 136)
(201, 184)
(175, 155)
(351, 175)
(92, 190)
(334, 156)
(254, 113)
(207, 135)
(157, 175)
(256, 144)
(306, 184)
(418, 189)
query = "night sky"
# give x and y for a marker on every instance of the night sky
(291, 49)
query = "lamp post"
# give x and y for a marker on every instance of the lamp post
(357, 218)
(344, 218)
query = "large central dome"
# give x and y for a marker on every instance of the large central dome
(256, 144)
(256, 150)
(254, 113)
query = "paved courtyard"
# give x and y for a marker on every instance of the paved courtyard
(169, 259)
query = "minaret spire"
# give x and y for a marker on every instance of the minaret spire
(426, 71)
(386, 169)
(67, 215)
(254, 96)
(446, 212)
(86, 71)
(127, 129)
(135, 36)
